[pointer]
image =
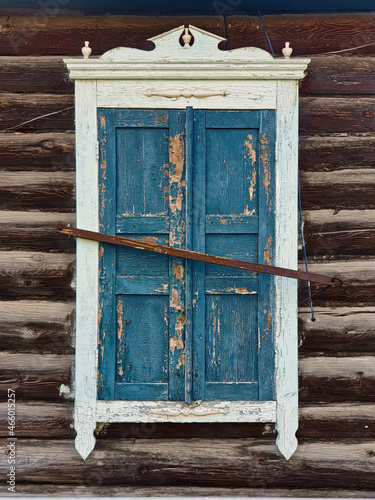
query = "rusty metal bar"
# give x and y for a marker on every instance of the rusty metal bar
(201, 257)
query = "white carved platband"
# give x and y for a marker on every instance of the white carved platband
(176, 94)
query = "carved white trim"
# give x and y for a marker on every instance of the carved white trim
(126, 78)
(176, 93)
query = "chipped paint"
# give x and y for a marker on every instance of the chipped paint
(176, 157)
(250, 151)
(176, 203)
(175, 343)
(179, 272)
(249, 212)
(102, 120)
(150, 239)
(223, 221)
(120, 371)
(253, 182)
(101, 252)
(267, 255)
(181, 360)
(162, 118)
(266, 155)
(119, 319)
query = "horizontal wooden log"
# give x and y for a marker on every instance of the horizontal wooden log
(185, 491)
(336, 152)
(41, 34)
(324, 421)
(35, 376)
(337, 379)
(342, 189)
(330, 75)
(358, 277)
(337, 331)
(36, 326)
(337, 421)
(16, 109)
(44, 151)
(36, 276)
(308, 34)
(39, 420)
(46, 191)
(347, 232)
(339, 75)
(36, 231)
(336, 114)
(197, 462)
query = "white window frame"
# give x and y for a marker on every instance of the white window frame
(173, 77)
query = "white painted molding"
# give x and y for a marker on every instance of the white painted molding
(170, 411)
(176, 93)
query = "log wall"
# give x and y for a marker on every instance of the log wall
(336, 454)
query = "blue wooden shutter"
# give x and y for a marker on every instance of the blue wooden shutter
(233, 212)
(206, 185)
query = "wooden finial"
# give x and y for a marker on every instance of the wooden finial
(186, 39)
(86, 50)
(287, 51)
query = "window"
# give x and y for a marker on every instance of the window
(194, 148)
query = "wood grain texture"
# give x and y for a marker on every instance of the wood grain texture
(36, 326)
(251, 463)
(308, 34)
(44, 151)
(64, 35)
(339, 75)
(35, 231)
(336, 152)
(338, 190)
(336, 114)
(36, 276)
(337, 331)
(34, 376)
(19, 108)
(46, 191)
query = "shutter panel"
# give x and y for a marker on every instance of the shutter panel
(141, 294)
(233, 217)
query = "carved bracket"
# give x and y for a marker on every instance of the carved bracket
(176, 94)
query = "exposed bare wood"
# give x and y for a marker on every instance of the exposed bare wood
(336, 152)
(308, 34)
(64, 35)
(340, 75)
(337, 379)
(337, 331)
(36, 326)
(37, 276)
(34, 376)
(336, 114)
(342, 189)
(187, 491)
(44, 151)
(358, 277)
(35, 231)
(203, 462)
(16, 109)
(45, 191)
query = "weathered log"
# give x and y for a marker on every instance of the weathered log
(44, 151)
(336, 114)
(339, 75)
(35, 74)
(358, 287)
(184, 491)
(308, 34)
(341, 189)
(347, 232)
(36, 326)
(336, 152)
(36, 276)
(35, 376)
(36, 231)
(198, 462)
(337, 379)
(337, 331)
(19, 108)
(41, 34)
(39, 420)
(46, 191)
